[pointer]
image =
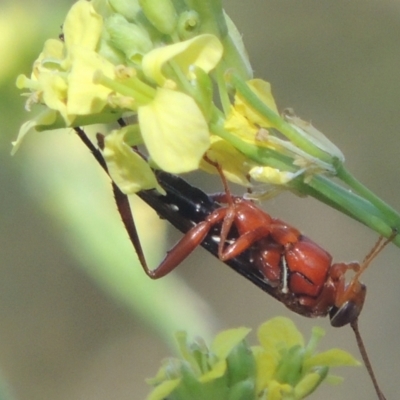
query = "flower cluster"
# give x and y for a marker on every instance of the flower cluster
(160, 62)
(281, 367)
(178, 75)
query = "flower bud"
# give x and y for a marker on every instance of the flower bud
(241, 364)
(188, 24)
(129, 38)
(310, 382)
(243, 390)
(161, 13)
(127, 8)
(290, 366)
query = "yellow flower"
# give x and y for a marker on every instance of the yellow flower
(62, 76)
(221, 372)
(286, 368)
(173, 127)
(281, 368)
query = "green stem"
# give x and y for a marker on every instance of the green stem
(140, 87)
(179, 77)
(357, 207)
(121, 88)
(390, 213)
(222, 90)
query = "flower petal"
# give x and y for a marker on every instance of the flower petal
(84, 96)
(239, 125)
(267, 362)
(127, 169)
(233, 163)
(54, 94)
(263, 91)
(163, 390)
(203, 51)
(82, 26)
(331, 358)
(309, 383)
(217, 371)
(45, 118)
(225, 341)
(271, 175)
(53, 52)
(279, 333)
(279, 391)
(174, 131)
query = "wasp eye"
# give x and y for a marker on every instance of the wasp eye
(349, 310)
(344, 315)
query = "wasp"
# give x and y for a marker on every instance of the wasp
(274, 255)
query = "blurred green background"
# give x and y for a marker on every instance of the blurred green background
(78, 318)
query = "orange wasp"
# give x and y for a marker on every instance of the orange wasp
(268, 251)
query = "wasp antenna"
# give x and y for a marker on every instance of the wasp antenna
(378, 247)
(374, 251)
(364, 355)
